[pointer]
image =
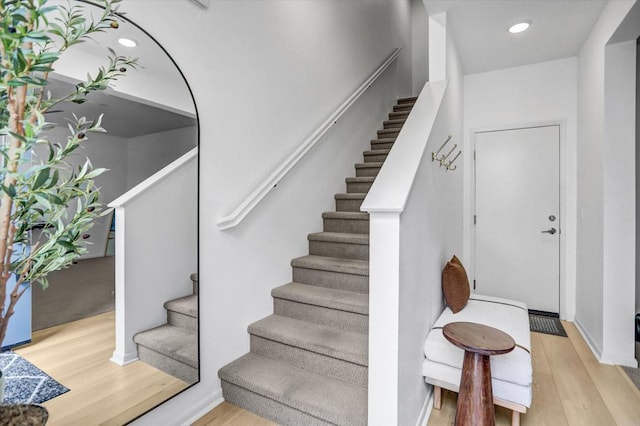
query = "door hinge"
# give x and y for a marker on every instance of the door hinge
(474, 155)
(474, 284)
(475, 219)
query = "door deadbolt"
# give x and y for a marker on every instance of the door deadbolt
(552, 218)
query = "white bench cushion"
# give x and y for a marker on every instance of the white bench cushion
(511, 373)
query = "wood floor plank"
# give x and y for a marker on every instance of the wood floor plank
(619, 397)
(101, 392)
(228, 414)
(582, 403)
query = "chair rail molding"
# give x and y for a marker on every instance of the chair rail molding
(245, 207)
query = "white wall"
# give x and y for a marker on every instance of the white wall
(431, 232)
(270, 73)
(419, 45)
(541, 93)
(637, 178)
(619, 204)
(149, 153)
(591, 281)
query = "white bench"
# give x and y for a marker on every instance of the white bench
(511, 374)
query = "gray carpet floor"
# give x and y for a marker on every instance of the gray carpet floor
(83, 290)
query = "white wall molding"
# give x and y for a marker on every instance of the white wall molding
(245, 207)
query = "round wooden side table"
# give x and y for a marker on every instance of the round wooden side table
(475, 397)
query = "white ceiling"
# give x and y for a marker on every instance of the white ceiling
(150, 99)
(123, 117)
(479, 27)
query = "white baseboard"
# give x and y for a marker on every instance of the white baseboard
(597, 352)
(123, 359)
(204, 407)
(614, 359)
(427, 406)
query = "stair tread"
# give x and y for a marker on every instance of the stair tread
(187, 305)
(332, 264)
(346, 215)
(388, 131)
(367, 165)
(341, 300)
(177, 343)
(339, 237)
(360, 179)
(329, 399)
(395, 121)
(350, 196)
(333, 342)
(383, 140)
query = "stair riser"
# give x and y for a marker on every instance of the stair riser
(367, 171)
(342, 250)
(409, 100)
(393, 125)
(168, 365)
(402, 107)
(381, 145)
(311, 361)
(330, 279)
(346, 225)
(358, 187)
(267, 407)
(398, 115)
(350, 321)
(181, 320)
(376, 158)
(348, 205)
(388, 134)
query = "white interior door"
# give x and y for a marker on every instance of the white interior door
(517, 253)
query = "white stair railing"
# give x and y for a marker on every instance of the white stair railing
(156, 249)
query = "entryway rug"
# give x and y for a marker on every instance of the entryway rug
(546, 324)
(26, 383)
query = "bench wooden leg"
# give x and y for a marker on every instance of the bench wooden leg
(437, 397)
(515, 418)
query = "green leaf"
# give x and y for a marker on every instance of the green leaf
(67, 245)
(41, 179)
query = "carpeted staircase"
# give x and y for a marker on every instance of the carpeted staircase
(173, 347)
(308, 361)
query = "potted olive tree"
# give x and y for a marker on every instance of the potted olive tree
(48, 191)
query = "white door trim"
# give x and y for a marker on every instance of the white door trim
(567, 211)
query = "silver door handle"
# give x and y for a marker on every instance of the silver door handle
(550, 231)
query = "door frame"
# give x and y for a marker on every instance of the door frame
(568, 212)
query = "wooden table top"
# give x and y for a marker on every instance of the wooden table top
(478, 338)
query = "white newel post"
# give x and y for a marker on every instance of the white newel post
(384, 298)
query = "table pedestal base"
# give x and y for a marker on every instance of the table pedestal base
(475, 398)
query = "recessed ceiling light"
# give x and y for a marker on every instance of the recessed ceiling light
(520, 27)
(127, 42)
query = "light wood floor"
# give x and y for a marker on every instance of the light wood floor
(101, 393)
(570, 388)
